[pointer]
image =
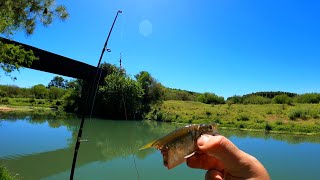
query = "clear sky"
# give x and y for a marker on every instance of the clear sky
(226, 47)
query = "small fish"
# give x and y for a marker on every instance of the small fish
(181, 144)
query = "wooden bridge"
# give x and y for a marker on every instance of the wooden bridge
(57, 64)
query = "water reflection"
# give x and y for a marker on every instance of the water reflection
(112, 145)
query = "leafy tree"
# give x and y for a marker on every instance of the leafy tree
(58, 82)
(40, 91)
(120, 98)
(73, 96)
(55, 92)
(12, 57)
(235, 99)
(282, 99)
(72, 84)
(210, 98)
(153, 90)
(110, 69)
(308, 98)
(270, 94)
(254, 99)
(178, 94)
(24, 15)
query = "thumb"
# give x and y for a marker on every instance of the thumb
(214, 175)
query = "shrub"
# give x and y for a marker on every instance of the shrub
(308, 98)
(279, 122)
(256, 100)
(243, 117)
(282, 99)
(268, 127)
(241, 125)
(4, 101)
(210, 98)
(235, 99)
(298, 113)
(4, 173)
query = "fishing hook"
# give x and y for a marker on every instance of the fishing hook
(92, 90)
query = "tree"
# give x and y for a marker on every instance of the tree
(153, 90)
(58, 82)
(120, 98)
(254, 99)
(210, 98)
(55, 92)
(282, 99)
(24, 16)
(40, 91)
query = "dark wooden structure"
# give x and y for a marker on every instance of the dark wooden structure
(57, 64)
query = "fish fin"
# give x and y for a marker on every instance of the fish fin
(189, 155)
(149, 145)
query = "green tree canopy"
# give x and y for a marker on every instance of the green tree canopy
(24, 15)
(121, 97)
(40, 91)
(58, 82)
(210, 98)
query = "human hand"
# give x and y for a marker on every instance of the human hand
(224, 160)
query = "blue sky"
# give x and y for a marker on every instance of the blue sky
(226, 47)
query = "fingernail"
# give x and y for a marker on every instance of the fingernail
(202, 140)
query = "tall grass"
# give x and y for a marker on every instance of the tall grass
(4, 174)
(301, 118)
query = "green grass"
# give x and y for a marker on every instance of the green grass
(4, 174)
(34, 108)
(296, 118)
(30, 102)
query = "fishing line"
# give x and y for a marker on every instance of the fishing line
(87, 103)
(123, 100)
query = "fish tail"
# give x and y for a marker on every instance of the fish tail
(149, 145)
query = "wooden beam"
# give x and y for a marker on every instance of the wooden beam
(57, 64)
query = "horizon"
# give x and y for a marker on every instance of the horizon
(223, 47)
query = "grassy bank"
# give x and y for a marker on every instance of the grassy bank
(297, 118)
(35, 112)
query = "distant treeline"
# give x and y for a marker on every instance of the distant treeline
(55, 89)
(274, 97)
(123, 97)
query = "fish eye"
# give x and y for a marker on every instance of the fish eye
(210, 127)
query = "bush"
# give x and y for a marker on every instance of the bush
(268, 127)
(308, 98)
(235, 99)
(4, 101)
(210, 98)
(256, 100)
(243, 117)
(282, 99)
(4, 174)
(295, 114)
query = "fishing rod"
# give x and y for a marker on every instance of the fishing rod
(92, 91)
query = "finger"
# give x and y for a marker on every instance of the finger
(203, 161)
(223, 149)
(214, 175)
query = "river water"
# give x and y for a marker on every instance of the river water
(43, 149)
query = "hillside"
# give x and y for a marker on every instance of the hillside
(296, 118)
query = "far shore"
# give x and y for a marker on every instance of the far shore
(299, 127)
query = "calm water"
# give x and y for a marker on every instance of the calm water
(43, 149)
